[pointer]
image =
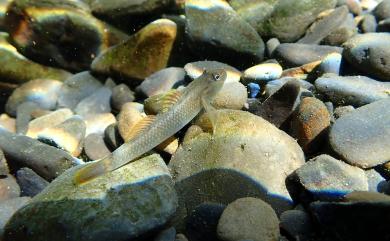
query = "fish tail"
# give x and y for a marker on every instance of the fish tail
(92, 170)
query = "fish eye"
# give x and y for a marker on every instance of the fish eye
(217, 77)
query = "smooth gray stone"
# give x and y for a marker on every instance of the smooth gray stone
(271, 45)
(98, 102)
(121, 94)
(382, 10)
(292, 55)
(47, 161)
(76, 88)
(351, 90)
(30, 183)
(297, 224)
(274, 85)
(95, 147)
(384, 25)
(368, 24)
(8, 208)
(112, 137)
(23, 116)
(342, 110)
(342, 33)
(361, 137)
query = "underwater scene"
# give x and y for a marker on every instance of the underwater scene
(194, 120)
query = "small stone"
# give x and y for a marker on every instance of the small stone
(97, 103)
(30, 183)
(4, 170)
(248, 218)
(162, 81)
(207, 30)
(330, 64)
(23, 116)
(384, 26)
(43, 92)
(233, 95)
(364, 147)
(98, 123)
(382, 10)
(253, 89)
(342, 110)
(302, 72)
(195, 69)
(352, 90)
(295, 54)
(95, 147)
(76, 88)
(112, 137)
(9, 188)
(297, 224)
(168, 234)
(262, 73)
(68, 136)
(310, 123)
(375, 181)
(369, 52)
(326, 178)
(368, 23)
(45, 160)
(141, 55)
(369, 5)
(50, 120)
(121, 94)
(342, 33)
(192, 132)
(8, 208)
(138, 196)
(8, 123)
(271, 45)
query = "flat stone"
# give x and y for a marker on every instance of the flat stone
(119, 205)
(30, 183)
(76, 88)
(250, 219)
(95, 147)
(98, 123)
(162, 81)
(360, 137)
(352, 90)
(142, 54)
(295, 54)
(241, 154)
(207, 30)
(384, 25)
(262, 73)
(327, 178)
(9, 188)
(121, 94)
(97, 103)
(45, 160)
(8, 208)
(43, 92)
(369, 53)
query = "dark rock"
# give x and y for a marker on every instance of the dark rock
(202, 222)
(342, 33)
(4, 170)
(369, 52)
(248, 218)
(9, 188)
(8, 208)
(294, 54)
(297, 224)
(181, 237)
(95, 147)
(360, 137)
(97, 103)
(112, 137)
(168, 234)
(47, 161)
(253, 89)
(121, 94)
(384, 26)
(368, 23)
(211, 38)
(382, 10)
(274, 85)
(351, 90)
(30, 183)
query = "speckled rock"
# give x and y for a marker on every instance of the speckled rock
(69, 135)
(195, 69)
(295, 54)
(98, 123)
(369, 52)
(364, 147)
(352, 90)
(342, 110)
(43, 92)
(95, 147)
(208, 32)
(76, 88)
(310, 123)
(121, 94)
(285, 20)
(30, 183)
(245, 148)
(50, 120)
(138, 196)
(9, 188)
(47, 161)
(262, 73)
(326, 178)
(141, 55)
(248, 219)
(382, 10)
(162, 81)
(8, 208)
(96, 103)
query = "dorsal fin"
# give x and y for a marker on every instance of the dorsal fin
(140, 126)
(162, 102)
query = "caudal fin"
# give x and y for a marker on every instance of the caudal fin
(91, 171)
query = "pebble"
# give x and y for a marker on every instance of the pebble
(50, 120)
(296, 54)
(98, 123)
(375, 181)
(4, 170)
(352, 90)
(382, 10)
(112, 137)
(271, 45)
(47, 161)
(8, 208)
(248, 218)
(253, 90)
(233, 95)
(142, 54)
(23, 116)
(95, 147)
(207, 30)
(369, 53)
(68, 136)
(368, 23)
(121, 94)
(297, 224)
(363, 147)
(96, 103)
(384, 26)
(195, 69)
(9, 188)
(342, 33)
(43, 92)
(342, 110)
(262, 73)
(168, 234)
(30, 183)
(139, 196)
(162, 81)
(76, 88)
(8, 123)
(310, 123)
(326, 178)
(332, 63)
(302, 72)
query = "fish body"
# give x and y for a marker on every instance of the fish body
(190, 102)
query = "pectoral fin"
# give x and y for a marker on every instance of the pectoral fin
(211, 112)
(162, 102)
(140, 126)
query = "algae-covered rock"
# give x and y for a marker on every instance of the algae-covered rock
(120, 205)
(247, 156)
(141, 55)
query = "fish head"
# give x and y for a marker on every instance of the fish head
(216, 78)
